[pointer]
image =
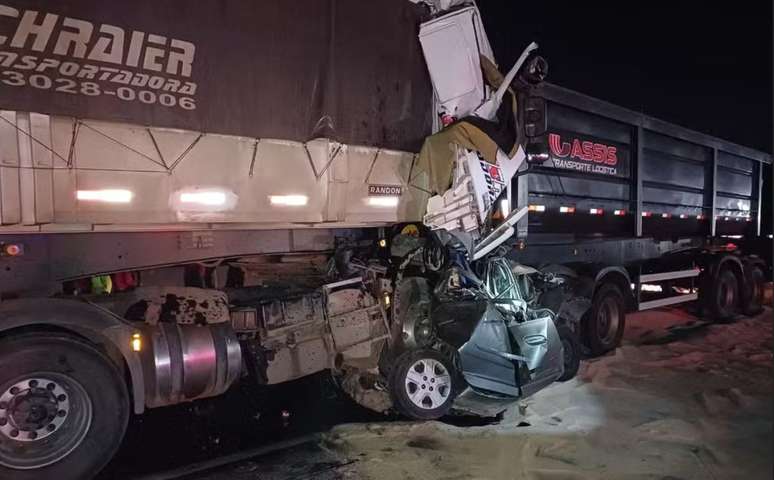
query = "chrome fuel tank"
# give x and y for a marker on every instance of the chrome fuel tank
(188, 362)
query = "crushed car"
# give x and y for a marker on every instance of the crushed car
(475, 338)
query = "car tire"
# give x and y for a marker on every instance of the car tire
(571, 351)
(56, 380)
(724, 296)
(753, 303)
(604, 326)
(422, 384)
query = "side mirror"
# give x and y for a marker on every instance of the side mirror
(536, 152)
(535, 120)
(535, 70)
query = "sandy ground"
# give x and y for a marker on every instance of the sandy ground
(679, 400)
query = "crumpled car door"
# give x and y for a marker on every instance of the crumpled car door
(486, 358)
(541, 351)
(513, 354)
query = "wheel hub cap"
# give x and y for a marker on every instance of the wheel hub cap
(428, 383)
(43, 417)
(33, 409)
(607, 320)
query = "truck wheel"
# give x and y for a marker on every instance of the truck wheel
(606, 321)
(422, 384)
(63, 408)
(571, 351)
(724, 296)
(753, 304)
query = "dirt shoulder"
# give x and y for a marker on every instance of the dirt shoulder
(679, 400)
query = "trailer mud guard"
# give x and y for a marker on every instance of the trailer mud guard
(620, 277)
(83, 319)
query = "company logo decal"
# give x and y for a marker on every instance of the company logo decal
(380, 190)
(574, 153)
(47, 51)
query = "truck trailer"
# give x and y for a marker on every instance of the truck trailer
(242, 193)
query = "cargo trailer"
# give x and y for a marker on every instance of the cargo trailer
(662, 214)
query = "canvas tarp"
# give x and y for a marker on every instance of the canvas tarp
(346, 69)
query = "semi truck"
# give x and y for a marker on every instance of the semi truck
(198, 194)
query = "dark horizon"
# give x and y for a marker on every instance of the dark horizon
(707, 69)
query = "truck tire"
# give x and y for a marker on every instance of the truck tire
(571, 351)
(422, 384)
(63, 402)
(604, 327)
(723, 300)
(753, 302)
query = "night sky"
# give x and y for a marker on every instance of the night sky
(704, 65)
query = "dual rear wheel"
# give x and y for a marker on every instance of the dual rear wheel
(729, 295)
(64, 408)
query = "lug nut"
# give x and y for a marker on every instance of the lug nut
(3, 422)
(33, 435)
(15, 391)
(50, 386)
(62, 397)
(3, 405)
(33, 383)
(61, 413)
(14, 433)
(51, 427)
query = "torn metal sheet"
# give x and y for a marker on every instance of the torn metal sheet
(357, 322)
(450, 47)
(488, 109)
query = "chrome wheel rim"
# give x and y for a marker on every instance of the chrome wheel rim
(428, 384)
(43, 417)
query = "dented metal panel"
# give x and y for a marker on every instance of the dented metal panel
(451, 48)
(88, 172)
(33, 136)
(10, 207)
(357, 322)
